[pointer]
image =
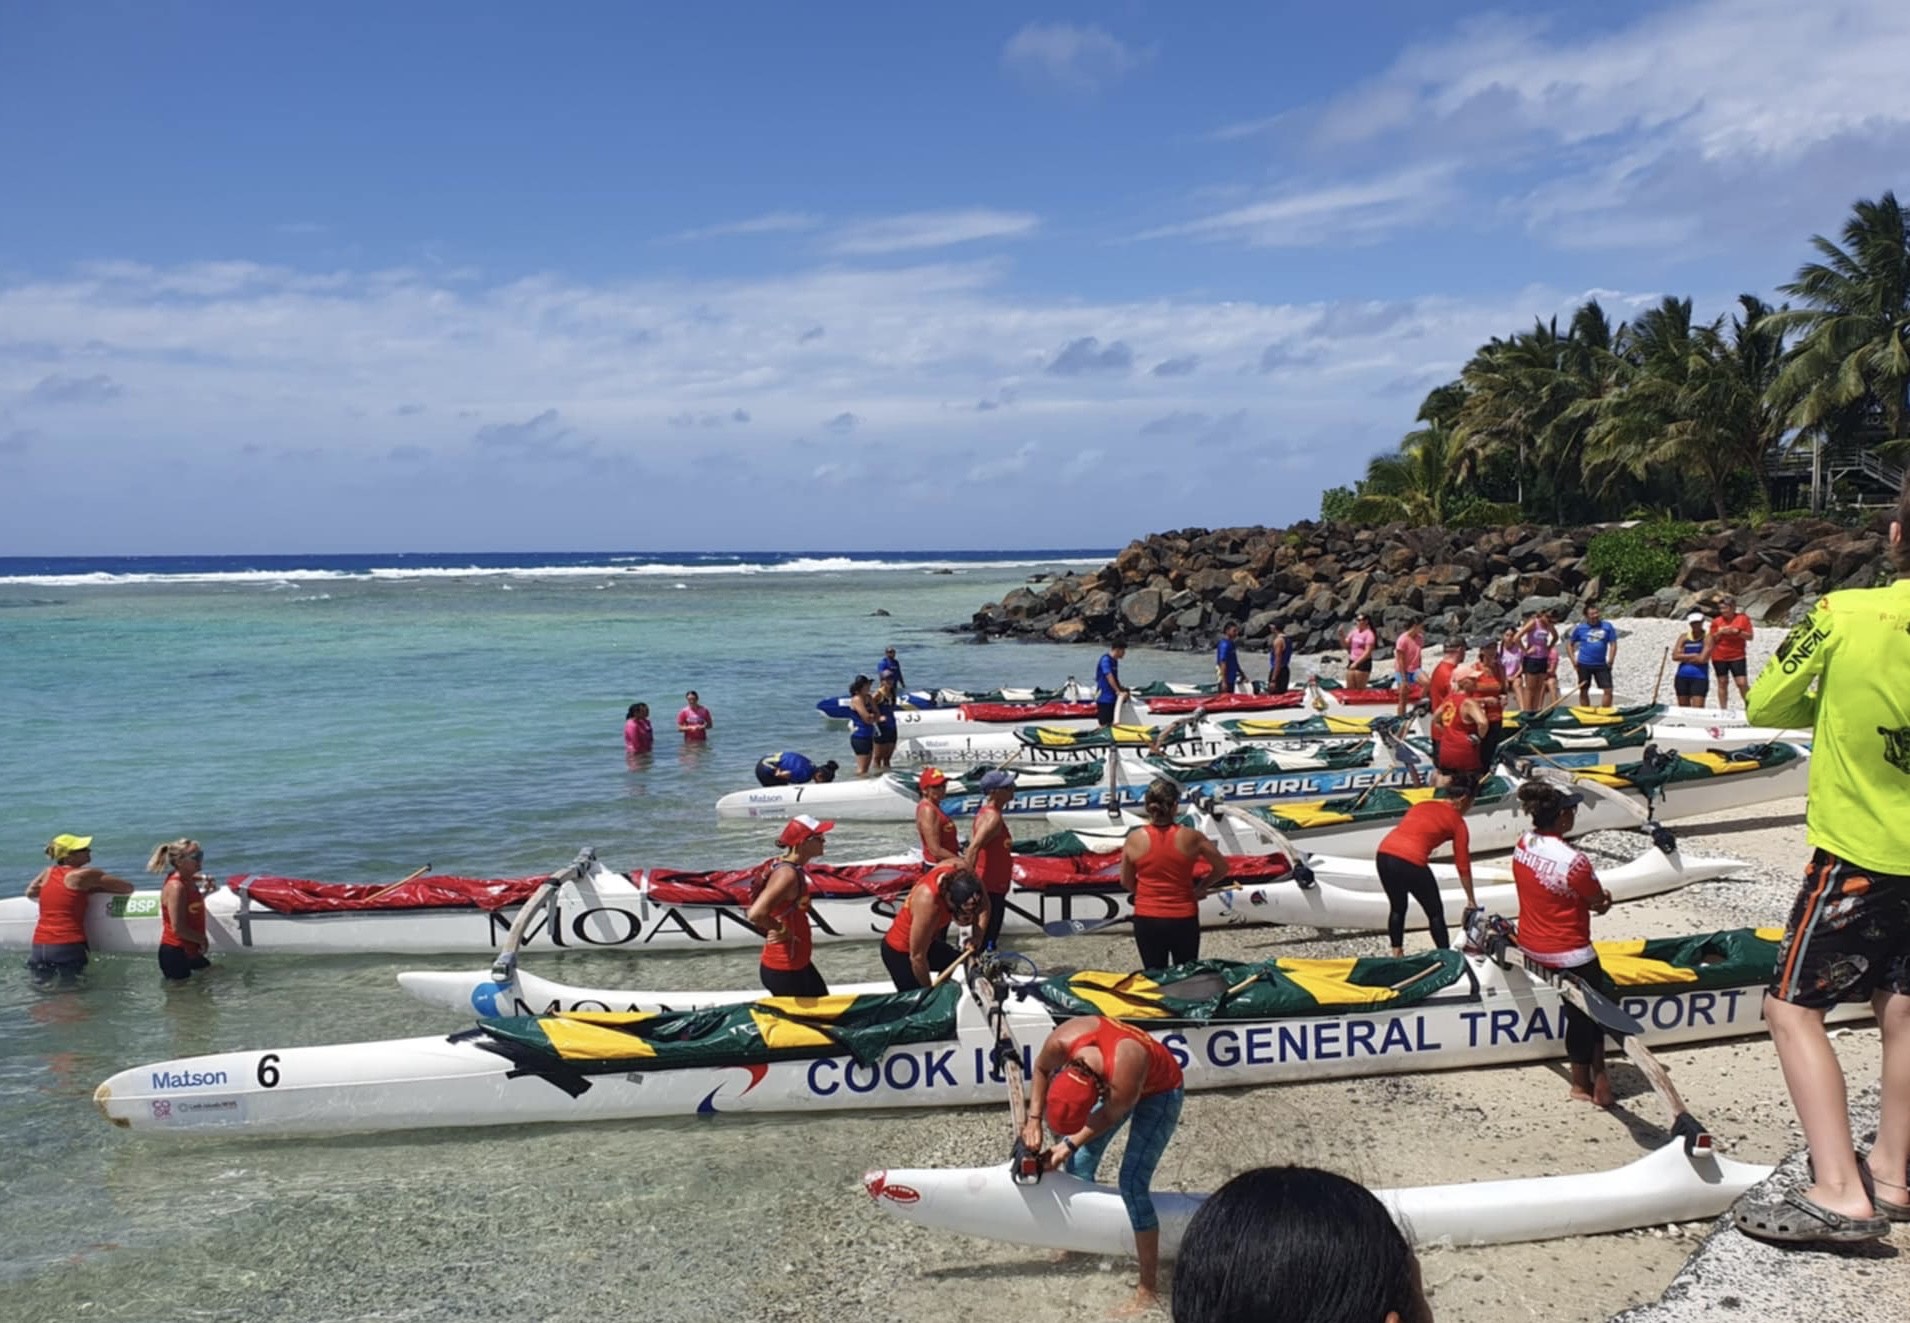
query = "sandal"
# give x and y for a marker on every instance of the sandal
(1794, 1219)
(1888, 1208)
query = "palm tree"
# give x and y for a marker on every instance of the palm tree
(1853, 345)
(1418, 485)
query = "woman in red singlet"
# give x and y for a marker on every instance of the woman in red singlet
(779, 907)
(990, 853)
(932, 823)
(182, 908)
(63, 890)
(1092, 1075)
(1404, 858)
(1459, 730)
(1157, 870)
(916, 947)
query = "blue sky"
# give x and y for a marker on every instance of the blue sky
(477, 276)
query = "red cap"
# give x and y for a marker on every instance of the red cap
(931, 776)
(1072, 1094)
(801, 828)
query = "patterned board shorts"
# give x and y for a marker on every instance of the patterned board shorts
(1848, 936)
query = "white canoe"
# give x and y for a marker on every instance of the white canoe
(894, 797)
(1064, 1213)
(1491, 1016)
(511, 990)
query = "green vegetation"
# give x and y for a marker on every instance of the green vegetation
(1667, 412)
(1638, 561)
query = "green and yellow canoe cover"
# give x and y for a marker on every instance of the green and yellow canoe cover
(1734, 958)
(1204, 990)
(773, 1029)
(1265, 762)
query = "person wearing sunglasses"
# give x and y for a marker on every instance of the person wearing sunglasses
(182, 908)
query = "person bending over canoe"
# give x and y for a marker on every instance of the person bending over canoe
(779, 907)
(63, 890)
(1092, 1075)
(990, 853)
(1157, 870)
(1403, 860)
(789, 768)
(182, 908)
(916, 947)
(1460, 728)
(1558, 895)
(1848, 935)
(1296, 1245)
(932, 823)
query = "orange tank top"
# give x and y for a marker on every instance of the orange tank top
(897, 937)
(995, 861)
(195, 909)
(1490, 691)
(944, 831)
(62, 911)
(1163, 1072)
(1164, 877)
(791, 952)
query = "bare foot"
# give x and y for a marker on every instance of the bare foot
(1580, 1095)
(1144, 1301)
(1602, 1095)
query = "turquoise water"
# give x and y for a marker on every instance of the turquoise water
(355, 729)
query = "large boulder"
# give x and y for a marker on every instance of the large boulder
(1142, 610)
(1699, 569)
(1807, 565)
(1769, 606)
(1021, 603)
(1067, 631)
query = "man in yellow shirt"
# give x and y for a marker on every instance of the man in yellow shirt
(1846, 672)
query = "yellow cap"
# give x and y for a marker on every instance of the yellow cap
(62, 846)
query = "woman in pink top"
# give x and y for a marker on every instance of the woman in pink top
(1408, 649)
(694, 720)
(638, 734)
(1360, 642)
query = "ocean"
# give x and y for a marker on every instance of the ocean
(354, 718)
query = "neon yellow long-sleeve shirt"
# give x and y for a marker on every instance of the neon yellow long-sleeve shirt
(1845, 670)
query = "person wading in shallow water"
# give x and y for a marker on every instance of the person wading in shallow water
(1848, 938)
(1090, 1077)
(694, 720)
(1559, 893)
(1157, 870)
(182, 908)
(59, 938)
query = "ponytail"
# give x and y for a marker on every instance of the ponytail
(166, 855)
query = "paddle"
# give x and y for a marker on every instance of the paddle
(1024, 1161)
(382, 892)
(950, 968)
(1658, 685)
(1165, 733)
(1604, 1012)
(1082, 927)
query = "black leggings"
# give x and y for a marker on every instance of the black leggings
(997, 910)
(1402, 878)
(940, 956)
(1165, 942)
(177, 965)
(1584, 1040)
(804, 982)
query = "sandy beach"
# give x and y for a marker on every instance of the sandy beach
(1427, 1129)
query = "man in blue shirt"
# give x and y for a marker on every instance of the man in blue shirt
(1227, 659)
(792, 769)
(1108, 689)
(1594, 649)
(889, 666)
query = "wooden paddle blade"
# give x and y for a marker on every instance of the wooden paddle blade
(1606, 1013)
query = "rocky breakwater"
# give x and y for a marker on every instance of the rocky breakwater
(1178, 590)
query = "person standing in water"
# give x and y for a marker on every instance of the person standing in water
(59, 947)
(889, 669)
(883, 749)
(182, 908)
(694, 720)
(638, 735)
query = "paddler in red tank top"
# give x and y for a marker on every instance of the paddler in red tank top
(916, 947)
(63, 890)
(932, 823)
(1157, 870)
(1092, 1075)
(990, 853)
(182, 908)
(780, 909)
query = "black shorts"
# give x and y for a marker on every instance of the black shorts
(1164, 943)
(902, 973)
(1848, 936)
(1104, 713)
(862, 744)
(61, 960)
(1279, 681)
(766, 773)
(1724, 668)
(804, 982)
(1690, 686)
(177, 965)
(1596, 677)
(1535, 666)
(885, 733)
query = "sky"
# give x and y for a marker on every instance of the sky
(479, 276)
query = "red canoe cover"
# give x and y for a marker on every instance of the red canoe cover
(293, 895)
(1025, 711)
(1180, 704)
(1374, 697)
(1088, 872)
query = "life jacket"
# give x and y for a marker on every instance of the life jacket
(62, 911)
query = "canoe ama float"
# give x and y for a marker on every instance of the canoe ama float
(932, 1048)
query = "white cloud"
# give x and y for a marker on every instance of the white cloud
(915, 231)
(1350, 211)
(1081, 60)
(771, 222)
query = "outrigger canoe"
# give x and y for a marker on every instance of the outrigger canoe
(1345, 896)
(1671, 784)
(1292, 1020)
(1669, 1184)
(1294, 705)
(836, 711)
